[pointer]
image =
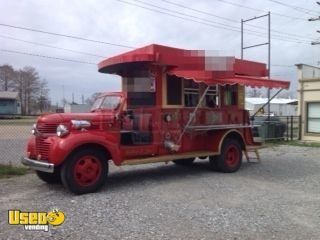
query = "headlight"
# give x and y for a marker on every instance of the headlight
(34, 129)
(62, 130)
(78, 124)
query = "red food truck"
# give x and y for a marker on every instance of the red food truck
(175, 105)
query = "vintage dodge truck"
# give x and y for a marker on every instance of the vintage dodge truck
(175, 105)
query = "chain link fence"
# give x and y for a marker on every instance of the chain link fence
(14, 133)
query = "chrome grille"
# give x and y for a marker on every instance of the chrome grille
(47, 127)
(42, 148)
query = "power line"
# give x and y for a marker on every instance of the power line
(90, 63)
(252, 31)
(259, 10)
(50, 46)
(297, 8)
(44, 56)
(65, 35)
(231, 28)
(226, 27)
(184, 14)
(199, 11)
(184, 18)
(228, 19)
(282, 65)
(316, 42)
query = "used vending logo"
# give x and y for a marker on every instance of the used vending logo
(36, 221)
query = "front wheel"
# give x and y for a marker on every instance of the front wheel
(230, 159)
(85, 171)
(50, 178)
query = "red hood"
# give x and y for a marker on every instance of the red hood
(66, 117)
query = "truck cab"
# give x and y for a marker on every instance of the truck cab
(175, 105)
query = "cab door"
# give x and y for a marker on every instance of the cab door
(137, 134)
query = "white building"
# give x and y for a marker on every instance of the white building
(77, 108)
(309, 101)
(278, 106)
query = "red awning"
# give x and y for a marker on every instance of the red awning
(195, 65)
(256, 82)
(225, 77)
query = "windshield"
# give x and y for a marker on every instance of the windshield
(106, 102)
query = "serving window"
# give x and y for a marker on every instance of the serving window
(191, 93)
(174, 90)
(140, 88)
(212, 96)
(230, 95)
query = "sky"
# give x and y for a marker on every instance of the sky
(203, 24)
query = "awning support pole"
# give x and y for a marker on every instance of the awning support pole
(193, 114)
(267, 103)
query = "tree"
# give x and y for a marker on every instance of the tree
(92, 99)
(28, 87)
(33, 92)
(7, 75)
(44, 103)
(253, 92)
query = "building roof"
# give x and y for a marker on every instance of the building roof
(8, 95)
(195, 65)
(299, 65)
(273, 101)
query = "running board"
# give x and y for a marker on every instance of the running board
(167, 158)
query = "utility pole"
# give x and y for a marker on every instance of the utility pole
(315, 19)
(258, 45)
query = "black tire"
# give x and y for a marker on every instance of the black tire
(184, 162)
(213, 163)
(230, 159)
(50, 178)
(85, 171)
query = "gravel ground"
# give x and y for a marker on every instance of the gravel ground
(276, 199)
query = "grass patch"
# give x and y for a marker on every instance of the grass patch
(18, 122)
(9, 170)
(300, 143)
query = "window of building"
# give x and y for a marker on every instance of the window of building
(313, 117)
(191, 93)
(4, 102)
(174, 90)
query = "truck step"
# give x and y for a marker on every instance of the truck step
(254, 151)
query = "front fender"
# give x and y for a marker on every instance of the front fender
(61, 148)
(31, 147)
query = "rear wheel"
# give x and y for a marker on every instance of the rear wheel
(230, 159)
(85, 171)
(184, 162)
(213, 163)
(50, 178)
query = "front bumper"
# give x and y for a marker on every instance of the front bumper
(38, 165)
